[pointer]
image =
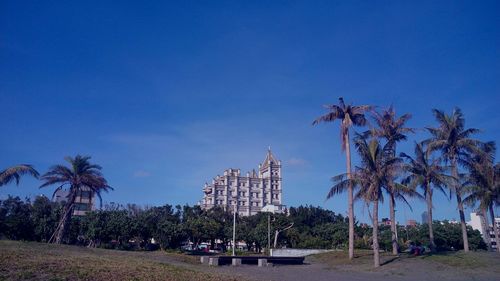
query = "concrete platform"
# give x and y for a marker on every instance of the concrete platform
(255, 260)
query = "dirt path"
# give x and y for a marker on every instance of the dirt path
(414, 270)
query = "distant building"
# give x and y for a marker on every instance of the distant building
(480, 223)
(411, 223)
(248, 194)
(84, 201)
(425, 217)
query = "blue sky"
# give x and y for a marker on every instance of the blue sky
(166, 95)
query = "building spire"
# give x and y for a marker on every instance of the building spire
(269, 158)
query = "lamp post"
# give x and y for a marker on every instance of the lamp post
(234, 229)
(269, 209)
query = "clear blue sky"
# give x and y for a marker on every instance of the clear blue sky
(165, 95)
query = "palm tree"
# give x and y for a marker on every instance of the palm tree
(15, 173)
(484, 185)
(393, 130)
(454, 142)
(348, 115)
(429, 175)
(80, 176)
(376, 170)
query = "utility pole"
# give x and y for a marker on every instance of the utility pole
(234, 229)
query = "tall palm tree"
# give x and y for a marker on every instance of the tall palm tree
(80, 176)
(15, 173)
(348, 115)
(393, 130)
(484, 185)
(429, 175)
(371, 177)
(453, 140)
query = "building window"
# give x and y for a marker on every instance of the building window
(82, 207)
(85, 194)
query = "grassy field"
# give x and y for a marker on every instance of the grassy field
(37, 261)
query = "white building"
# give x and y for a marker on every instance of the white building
(248, 194)
(479, 222)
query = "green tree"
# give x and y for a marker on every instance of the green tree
(80, 176)
(393, 130)
(15, 219)
(348, 115)
(453, 140)
(168, 230)
(429, 175)
(45, 215)
(483, 184)
(371, 177)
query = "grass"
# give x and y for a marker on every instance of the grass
(37, 261)
(460, 263)
(471, 260)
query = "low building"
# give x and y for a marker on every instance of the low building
(247, 194)
(84, 201)
(411, 223)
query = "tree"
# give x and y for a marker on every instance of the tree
(453, 140)
(15, 173)
(393, 130)
(80, 176)
(348, 115)
(429, 175)
(483, 184)
(45, 215)
(15, 219)
(376, 170)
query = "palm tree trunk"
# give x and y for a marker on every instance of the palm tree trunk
(429, 217)
(61, 227)
(495, 228)
(350, 196)
(392, 210)
(376, 255)
(486, 230)
(462, 221)
(460, 204)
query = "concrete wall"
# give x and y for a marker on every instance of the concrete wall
(296, 252)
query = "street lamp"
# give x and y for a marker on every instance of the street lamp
(234, 229)
(269, 209)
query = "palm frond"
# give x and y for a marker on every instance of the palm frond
(15, 173)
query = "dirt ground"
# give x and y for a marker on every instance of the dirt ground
(335, 266)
